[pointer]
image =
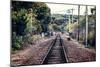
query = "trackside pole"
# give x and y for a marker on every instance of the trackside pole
(78, 22)
(86, 43)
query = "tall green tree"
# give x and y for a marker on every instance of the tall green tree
(28, 17)
(43, 14)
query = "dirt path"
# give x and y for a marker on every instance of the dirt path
(32, 55)
(78, 53)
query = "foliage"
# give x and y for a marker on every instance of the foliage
(91, 38)
(71, 26)
(27, 19)
(16, 41)
(74, 27)
(43, 15)
(55, 27)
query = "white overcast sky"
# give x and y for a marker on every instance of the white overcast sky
(62, 8)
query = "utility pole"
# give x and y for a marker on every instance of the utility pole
(72, 14)
(86, 26)
(78, 22)
(68, 11)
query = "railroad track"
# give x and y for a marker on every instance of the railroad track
(56, 53)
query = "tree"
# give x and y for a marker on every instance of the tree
(43, 14)
(27, 18)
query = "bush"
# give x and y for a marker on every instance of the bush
(16, 42)
(91, 38)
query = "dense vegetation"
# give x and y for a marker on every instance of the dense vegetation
(80, 28)
(28, 18)
(77, 30)
(31, 19)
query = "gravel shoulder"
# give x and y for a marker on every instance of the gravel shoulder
(78, 53)
(32, 55)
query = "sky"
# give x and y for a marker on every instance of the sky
(63, 9)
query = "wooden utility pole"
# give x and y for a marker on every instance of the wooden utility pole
(68, 11)
(78, 22)
(86, 42)
(72, 14)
